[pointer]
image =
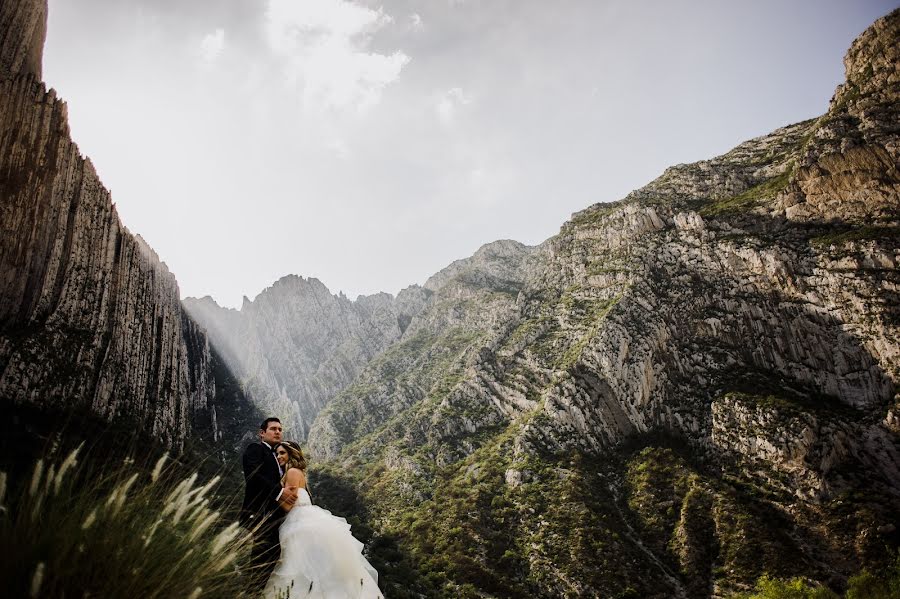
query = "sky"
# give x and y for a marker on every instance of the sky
(369, 144)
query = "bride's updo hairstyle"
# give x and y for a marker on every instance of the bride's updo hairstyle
(295, 456)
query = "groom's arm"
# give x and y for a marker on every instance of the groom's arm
(292, 483)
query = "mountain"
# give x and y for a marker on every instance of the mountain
(297, 345)
(90, 318)
(679, 392)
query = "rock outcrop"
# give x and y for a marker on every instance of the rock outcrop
(848, 171)
(90, 318)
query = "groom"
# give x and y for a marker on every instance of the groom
(260, 512)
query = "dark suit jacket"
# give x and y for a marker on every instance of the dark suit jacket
(263, 484)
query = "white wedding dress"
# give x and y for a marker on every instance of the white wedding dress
(320, 559)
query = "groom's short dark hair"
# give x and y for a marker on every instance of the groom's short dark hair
(265, 423)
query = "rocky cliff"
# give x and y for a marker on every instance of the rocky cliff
(679, 392)
(90, 318)
(297, 345)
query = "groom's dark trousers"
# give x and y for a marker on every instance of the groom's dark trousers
(260, 512)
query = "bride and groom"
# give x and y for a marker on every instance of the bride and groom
(319, 558)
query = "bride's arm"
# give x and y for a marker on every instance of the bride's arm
(294, 480)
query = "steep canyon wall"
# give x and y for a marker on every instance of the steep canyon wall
(90, 318)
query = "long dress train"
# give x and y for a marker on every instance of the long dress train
(320, 559)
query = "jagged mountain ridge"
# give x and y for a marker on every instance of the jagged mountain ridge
(297, 345)
(742, 309)
(90, 318)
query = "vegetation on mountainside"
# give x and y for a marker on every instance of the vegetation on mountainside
(594, 215)
(556, 337)
(452, 505)
(79, 527)
(787, 401)
(703, 524)
(424, 365)
(710, 531)
(845, 235)
(865, 585)
(513, 520)
(504, 522)
(751, 197)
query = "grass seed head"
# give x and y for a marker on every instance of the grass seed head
(224, 538)
(202, 525)
(89, 520)
(49, 481)
(178, 497)
(36, 477)
(224, 561)
(37, 580)
(70, 462)
(150, 534)
(157, 470)
(123, 492)
(208, 486)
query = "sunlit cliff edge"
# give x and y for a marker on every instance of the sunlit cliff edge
(90, 319)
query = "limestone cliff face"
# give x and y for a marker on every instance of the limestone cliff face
(470, 301)
(776, 261)
(849, 171)
(746, 306)
(89, 316)
(297, 345)
(23, 27)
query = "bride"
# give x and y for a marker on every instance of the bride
(319, 557)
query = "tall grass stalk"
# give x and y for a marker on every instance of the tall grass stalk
(77, 531)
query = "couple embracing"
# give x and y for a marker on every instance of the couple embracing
(312, 552)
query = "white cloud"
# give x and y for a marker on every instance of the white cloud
(340, 148)
(324, 44)
(212, 45)
(449, 102)
(415, 22)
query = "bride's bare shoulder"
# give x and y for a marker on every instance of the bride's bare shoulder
(295, 475)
